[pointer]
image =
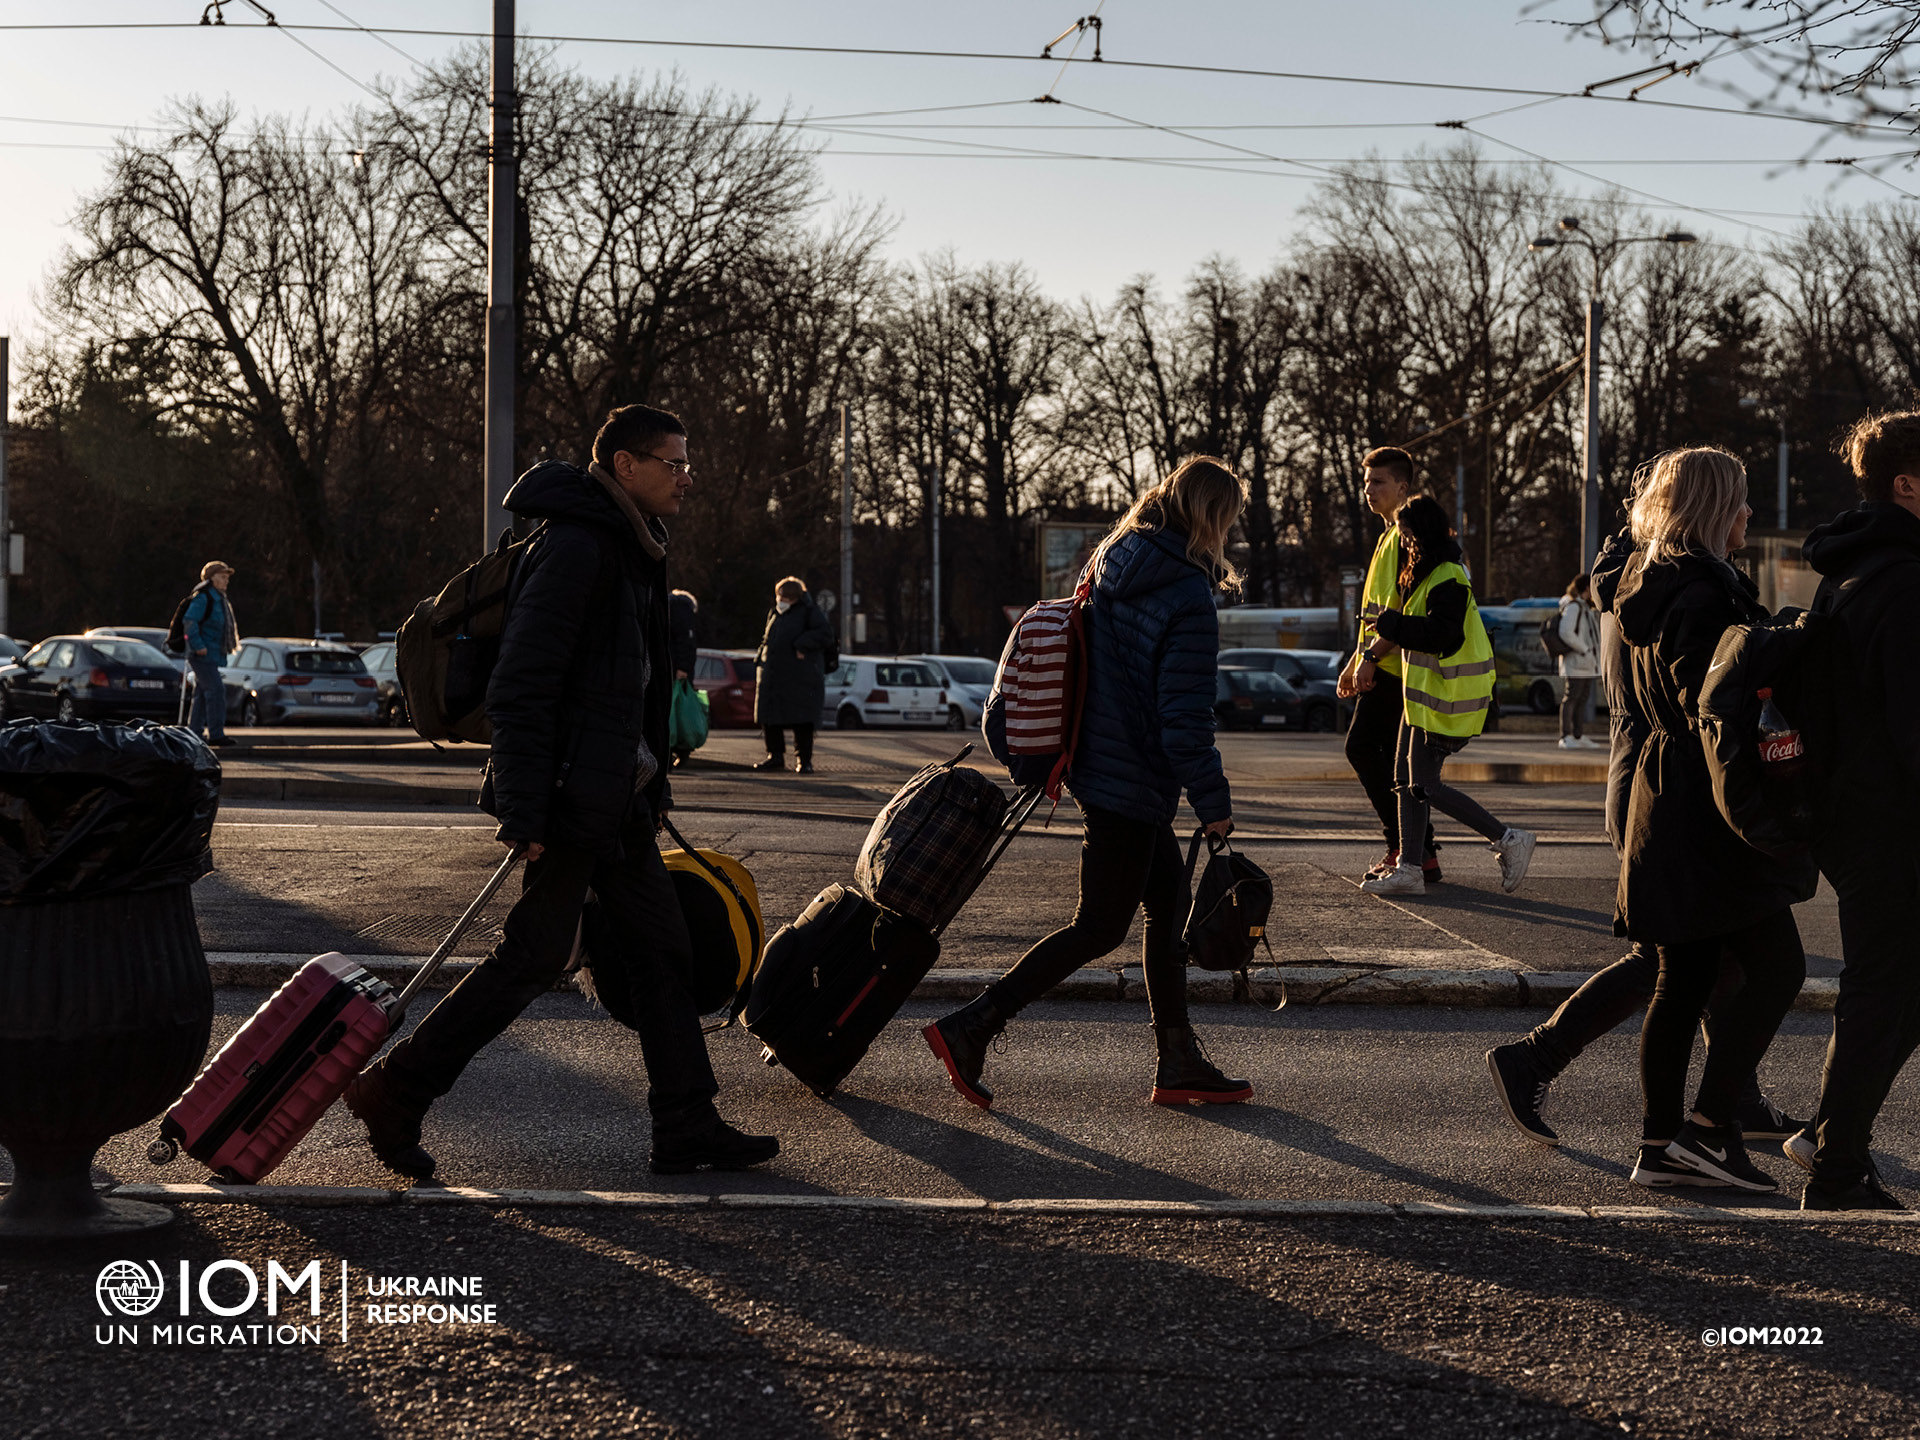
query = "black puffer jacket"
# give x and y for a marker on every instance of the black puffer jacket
(583, 681)
(1626, 722)
(1684, 874)
(1873, 787)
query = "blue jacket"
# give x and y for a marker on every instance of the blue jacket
(1154, 644)
(209, 624)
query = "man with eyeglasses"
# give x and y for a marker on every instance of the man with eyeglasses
(579, 702)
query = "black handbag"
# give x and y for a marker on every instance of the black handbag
(1228, 920)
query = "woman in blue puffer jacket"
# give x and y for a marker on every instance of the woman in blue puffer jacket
(1146, 733)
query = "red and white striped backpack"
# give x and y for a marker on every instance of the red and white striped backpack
(1032, 720)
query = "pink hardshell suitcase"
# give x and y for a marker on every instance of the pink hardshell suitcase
(281, 1070)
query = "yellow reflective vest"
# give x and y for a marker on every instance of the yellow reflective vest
(1449, 694)
(1383, 575)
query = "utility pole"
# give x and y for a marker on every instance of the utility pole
(502, 186)
(846, 530)
(1780, 479)
(936, 476)
(1460, 490)
(1590, 485)
(6, 501)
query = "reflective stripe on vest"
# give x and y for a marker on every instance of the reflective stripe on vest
(1450, 694)
(1382, 591)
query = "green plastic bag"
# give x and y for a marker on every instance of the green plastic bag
(687, 723)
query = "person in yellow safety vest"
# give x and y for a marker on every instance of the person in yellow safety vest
(1447, 683)
(1374, 730)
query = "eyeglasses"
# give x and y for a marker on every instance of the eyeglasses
(679, 467)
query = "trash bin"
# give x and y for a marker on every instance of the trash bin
(106, 1003)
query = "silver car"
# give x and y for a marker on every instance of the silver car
(969, 682)
(385, 669)
(272, 682)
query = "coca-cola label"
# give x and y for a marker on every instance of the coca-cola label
(1776, 749)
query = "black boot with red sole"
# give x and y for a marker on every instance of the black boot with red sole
(960, 1042)
(1186, 1077)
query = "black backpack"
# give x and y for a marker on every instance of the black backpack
(176, 641)
(1228, 921)
(1803, 661)
(1551, 638)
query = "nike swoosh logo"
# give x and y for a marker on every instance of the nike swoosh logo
(1719, 1155)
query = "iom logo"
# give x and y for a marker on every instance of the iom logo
(124, 1287)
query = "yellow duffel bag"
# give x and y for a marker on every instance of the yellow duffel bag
(722, 910)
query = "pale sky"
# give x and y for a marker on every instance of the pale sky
(1084, 226)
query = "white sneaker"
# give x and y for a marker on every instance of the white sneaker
(1567, 742)
(1515, 849)
(1401, 880)
(1587, 742)
(1799, 1149)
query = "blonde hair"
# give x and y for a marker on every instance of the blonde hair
(791, 588)
(1687, 501)
(1201, 499)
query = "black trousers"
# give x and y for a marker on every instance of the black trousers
(1612, 995)
(777, 741)
(1372, 738)
(1876, 1018)
(1769, 951)
(1124, 864)
(640, 982)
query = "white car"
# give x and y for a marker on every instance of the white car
(887, 690)
(969, 682)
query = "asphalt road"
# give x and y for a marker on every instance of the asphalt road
(391, 881)
(716, 1326)
(1351, 1102)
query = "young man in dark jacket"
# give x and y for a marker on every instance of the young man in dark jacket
(1869, 560)
(579, 705)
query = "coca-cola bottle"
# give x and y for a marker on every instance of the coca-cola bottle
(1783, 758)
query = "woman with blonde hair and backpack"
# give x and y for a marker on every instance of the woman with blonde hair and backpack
(1146, 734)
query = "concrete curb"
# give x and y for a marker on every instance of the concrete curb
(1230, 1209)
(1297, 984)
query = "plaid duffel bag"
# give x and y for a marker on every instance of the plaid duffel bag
(929, 840)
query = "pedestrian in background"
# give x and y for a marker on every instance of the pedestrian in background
(1446, 684)
(683, 612)
(1524, 1070)
(1374, 685)
(1146, 733)
(1688, 883)
(790, 686)
(1864, 839)
(212, 635)
(1580, 663)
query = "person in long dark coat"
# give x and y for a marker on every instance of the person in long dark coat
(1688, 883)
(791, 675)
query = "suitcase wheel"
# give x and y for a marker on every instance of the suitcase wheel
(162, 1151)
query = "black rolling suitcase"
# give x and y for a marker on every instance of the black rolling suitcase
(832, 979)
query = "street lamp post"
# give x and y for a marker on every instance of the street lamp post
(1752, 402)
(1603, 256)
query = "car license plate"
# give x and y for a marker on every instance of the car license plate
(338, 699)
(916, 715)
(1273, 719)
(147, 684)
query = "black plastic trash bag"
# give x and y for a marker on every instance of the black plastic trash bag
(90, 809)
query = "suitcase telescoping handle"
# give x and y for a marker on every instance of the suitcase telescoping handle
(434, 961)
(1017, 815)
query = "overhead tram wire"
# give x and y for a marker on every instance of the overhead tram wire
(1246, 72)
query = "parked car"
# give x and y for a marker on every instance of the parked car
(969, 680)
(154, 635)
(92, 677)
(381, 665)
(1314, 673)
(885, 690)
(270, 682)
(728, 680)
(1248, 699)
